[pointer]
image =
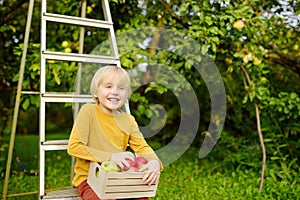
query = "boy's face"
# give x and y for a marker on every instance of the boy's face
(112, 94)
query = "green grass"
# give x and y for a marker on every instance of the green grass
(188, 178)
(57, 171)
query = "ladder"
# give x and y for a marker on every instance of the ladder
(50, 97)
(60, 97)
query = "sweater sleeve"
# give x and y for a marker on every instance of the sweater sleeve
(78, 141)
(139, 145)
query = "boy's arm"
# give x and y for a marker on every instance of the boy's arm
(139, 145)
(78, 148)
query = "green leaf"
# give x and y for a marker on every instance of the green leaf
(56, 77)
(245, 99)
(208, 20)
(126, 62)
(26, 104)
(268, 140)
(293, 95)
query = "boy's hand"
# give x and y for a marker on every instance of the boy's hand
(120, 158)
(153, 172)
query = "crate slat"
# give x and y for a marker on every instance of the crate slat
(124, 175)
(130, 188)
(111, 182)
(128, 195)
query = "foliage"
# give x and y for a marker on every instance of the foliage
(187, 178)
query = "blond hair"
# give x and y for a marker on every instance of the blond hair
(108, 71)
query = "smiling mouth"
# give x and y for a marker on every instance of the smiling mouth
(113, 100)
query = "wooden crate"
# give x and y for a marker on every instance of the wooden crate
(118, 184)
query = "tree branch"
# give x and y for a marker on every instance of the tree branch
(259, 132)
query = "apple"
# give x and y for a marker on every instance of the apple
(132, 169)
(296, 47)
(131, 164)
(140, 160)
(97, 172)
(68, 50)
(141, 166)
(89, 9)
(239, 24)
(65, 44)
(110, 166)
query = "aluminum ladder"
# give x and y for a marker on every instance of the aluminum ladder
(63, 97)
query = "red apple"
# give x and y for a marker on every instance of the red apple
(132, 169)
(140, 160)
(131, 164)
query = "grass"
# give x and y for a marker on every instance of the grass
(187, 178)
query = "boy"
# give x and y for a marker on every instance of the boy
(102, 131)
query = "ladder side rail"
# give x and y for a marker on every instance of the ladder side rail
(112, 37)
(113, 44)
(106, 11)
(77, 87)
(42, 102)
(42, 127)
(113, 40)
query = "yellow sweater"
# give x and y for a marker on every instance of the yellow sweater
(97, 135)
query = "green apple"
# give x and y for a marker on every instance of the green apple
(97, 172)
(65, 44)
(110, 166)
(89, 9)
(141, 166)
(68, 50)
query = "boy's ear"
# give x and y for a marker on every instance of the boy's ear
(95, 95)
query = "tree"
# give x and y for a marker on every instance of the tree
(254, 36)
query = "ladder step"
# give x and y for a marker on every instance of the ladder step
(55, 145)
(78, 21)
(70, 194)
(80, 57)
(56, 142)
(66, 97)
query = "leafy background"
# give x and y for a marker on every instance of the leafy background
(267, 47)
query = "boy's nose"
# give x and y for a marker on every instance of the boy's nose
(114, 90)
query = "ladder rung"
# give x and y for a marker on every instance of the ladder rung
(55, 145)
(30, 92)
(80, 57)
(62, 194)
(78, 21)
(56, 142)
(65, 97)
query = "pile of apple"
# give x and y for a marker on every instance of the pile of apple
(135, 165)
(138, 163)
